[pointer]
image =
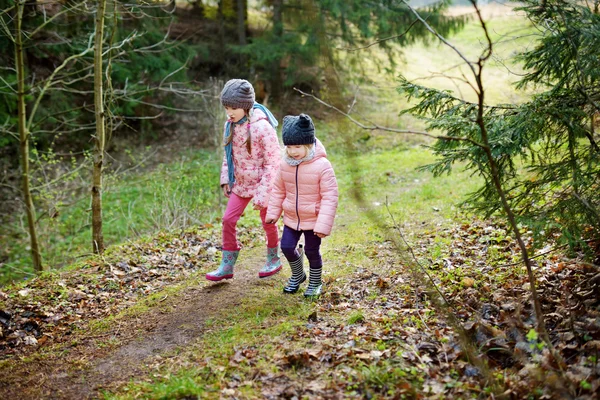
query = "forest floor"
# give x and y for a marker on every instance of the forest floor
(142, 322)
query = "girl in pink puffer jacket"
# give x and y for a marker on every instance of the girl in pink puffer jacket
(306, 191)
(251, 161)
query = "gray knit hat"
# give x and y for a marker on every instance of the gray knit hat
(298, 130)
(238, 93)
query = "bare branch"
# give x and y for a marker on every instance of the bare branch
(488, 51)
(11, 133)
(375, 127)
(55, 16)
(5, 27)
(123, 42)
(160, 106)
(380, 40)
(58, 113)
(60, 178)
(50, 82)
(440, 37)
(184, 65)
(7, 85)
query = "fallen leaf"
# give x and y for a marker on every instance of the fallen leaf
(468, 282)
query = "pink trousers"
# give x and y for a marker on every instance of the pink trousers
(235, 207)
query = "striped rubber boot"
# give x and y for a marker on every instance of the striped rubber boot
(315, 284)
(298, 275)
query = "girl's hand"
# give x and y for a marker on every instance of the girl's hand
(226, 190)
(270, 221)
(257, 207)
(321, 235)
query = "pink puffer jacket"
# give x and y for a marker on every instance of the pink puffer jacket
(307, 194)
(255, 172)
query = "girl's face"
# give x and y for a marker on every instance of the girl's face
(234, 114)
(297, 152)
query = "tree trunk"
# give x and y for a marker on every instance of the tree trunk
(241, 28)
(97, 238)
(276, 79)
(221, 21)
(24, 139)
(197, 7)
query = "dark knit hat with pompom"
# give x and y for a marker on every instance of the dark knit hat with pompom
(238, 93)
(298, 130)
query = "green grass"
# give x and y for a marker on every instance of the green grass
(356, 317)
(391, 177)
(175, 195)
(258, 323)
(437, 65)
(266, 319)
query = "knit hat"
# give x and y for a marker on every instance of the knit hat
(238, 93)
(298, 130)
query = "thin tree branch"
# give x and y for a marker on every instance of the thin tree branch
(380, 40)
(375, 127)
(55, 16)
(50, 82)
(414, 256)
(440, 37)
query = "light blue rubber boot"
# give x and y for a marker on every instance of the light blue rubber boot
(273, 264)
(225, 270)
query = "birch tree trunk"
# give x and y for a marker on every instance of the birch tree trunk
(99, 138)
(24, 138)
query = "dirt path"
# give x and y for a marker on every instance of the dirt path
(88, 368)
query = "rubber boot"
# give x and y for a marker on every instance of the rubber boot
(315, 284)
(225, 270)
(298, 275)
(273, 264)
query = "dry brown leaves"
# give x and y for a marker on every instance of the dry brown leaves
(48, 309)
(376, 332)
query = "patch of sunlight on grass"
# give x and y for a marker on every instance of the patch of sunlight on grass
(370, 180)
(436, 65)
(440, 66)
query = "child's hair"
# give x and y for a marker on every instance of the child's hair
(306, 146)
(248, 141)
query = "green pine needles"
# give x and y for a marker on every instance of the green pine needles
(547, 148)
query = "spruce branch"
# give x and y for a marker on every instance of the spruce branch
(495, 174)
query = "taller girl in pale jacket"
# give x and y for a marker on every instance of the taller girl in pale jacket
(306, 191)
(250, 164)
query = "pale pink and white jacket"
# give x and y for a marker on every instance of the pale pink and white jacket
(307, 194)
(255, 171)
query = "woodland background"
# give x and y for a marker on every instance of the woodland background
(465, 140)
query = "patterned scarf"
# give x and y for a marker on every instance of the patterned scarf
(229, 146)
(293, 162)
